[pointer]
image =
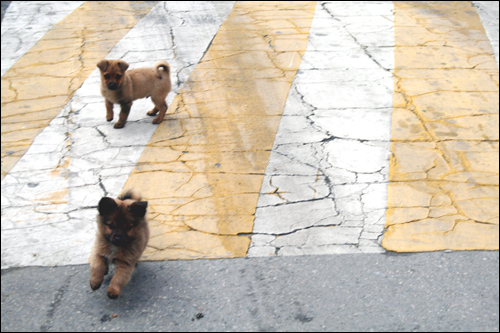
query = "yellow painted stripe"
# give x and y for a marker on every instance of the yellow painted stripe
(203, 168)
(444, 167)
(40, 84)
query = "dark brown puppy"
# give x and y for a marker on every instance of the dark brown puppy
(122, 86)
(122, 236)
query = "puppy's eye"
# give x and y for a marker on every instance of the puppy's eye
(118, 76)
(107, 76)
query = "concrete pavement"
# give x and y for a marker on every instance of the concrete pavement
(300, 128)
(304, 129)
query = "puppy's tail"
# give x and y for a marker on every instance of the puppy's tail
(130, 194)
(166, 68)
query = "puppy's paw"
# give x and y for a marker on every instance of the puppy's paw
(157, 120)
(113, 294)
(119, 125)
(95, 285)
(109, 118)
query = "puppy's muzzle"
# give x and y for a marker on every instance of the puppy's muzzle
(119, 238)
(112, 86)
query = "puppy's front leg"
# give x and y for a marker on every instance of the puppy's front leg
(123, 273)
(98, 268)
(125, 110)
(109, 110)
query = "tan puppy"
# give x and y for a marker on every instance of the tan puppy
(122, 86)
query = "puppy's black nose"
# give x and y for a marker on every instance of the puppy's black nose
(118, 241)
(112, 86)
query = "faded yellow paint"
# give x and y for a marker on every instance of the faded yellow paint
(202, 170)
(444, 166)
(40, 84)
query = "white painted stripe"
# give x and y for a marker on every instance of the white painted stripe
(325, 188)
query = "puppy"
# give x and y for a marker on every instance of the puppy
(122, 86)
(122, 236)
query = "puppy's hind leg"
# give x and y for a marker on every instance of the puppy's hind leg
(161, 106)
(153, 112)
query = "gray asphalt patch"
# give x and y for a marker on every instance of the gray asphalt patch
(439, 291)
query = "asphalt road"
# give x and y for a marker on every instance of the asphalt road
(440, 291)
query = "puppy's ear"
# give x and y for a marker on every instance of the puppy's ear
(123, 65)
(107, 206)
(103, 64)
(138, 208)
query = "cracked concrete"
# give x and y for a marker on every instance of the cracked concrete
(444, 165)
(28, 23)
(203, 191)
(42, 81)
(324, 190)
(303, 128)
(78, 157)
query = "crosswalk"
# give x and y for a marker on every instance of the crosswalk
(293, 128)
